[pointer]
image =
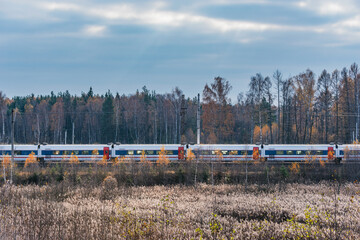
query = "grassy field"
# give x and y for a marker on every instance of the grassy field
(291, 211)
(142, 201)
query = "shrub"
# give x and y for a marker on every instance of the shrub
(108, 188)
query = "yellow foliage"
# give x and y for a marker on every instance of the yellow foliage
(256, 133)
(103, 161)
(116, 161)
(219, 155)
(322, 163)
(310, 159)
(119, 160)
(30, 160)
(163, 159)
(74, 159)
(295, 167)
(94, 154)
(265, 130)
(190, 155)
(143, 158)
(6, 161)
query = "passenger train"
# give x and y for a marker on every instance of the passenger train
(174, 152)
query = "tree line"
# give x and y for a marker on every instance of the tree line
(300, 109)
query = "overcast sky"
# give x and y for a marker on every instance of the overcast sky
(124, 45)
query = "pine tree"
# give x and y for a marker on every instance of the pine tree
(107, 120)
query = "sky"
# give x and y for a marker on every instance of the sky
(123, 45)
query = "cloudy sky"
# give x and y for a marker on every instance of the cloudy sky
(124, 45)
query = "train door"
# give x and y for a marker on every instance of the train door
(106, 152)
(256, 154)
(330, 153)
(181, 153)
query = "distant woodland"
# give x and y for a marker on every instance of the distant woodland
(302, 109)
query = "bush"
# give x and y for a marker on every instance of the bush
(109, 185)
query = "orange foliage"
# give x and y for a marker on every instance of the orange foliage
(103, 161)
(256, 133)
(295, 167)
(322, 163)
(74, 159)
(265, 131)
(120, 160)
(143, 158)
(163, 159)
(30, 160)
(190, 155)
(6, 161)
(219, 155)
(94, 154)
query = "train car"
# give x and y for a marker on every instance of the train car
(223, 152)
(82, 152)
(349, 152)
(150, 151)
(21, 152)
(299, 152)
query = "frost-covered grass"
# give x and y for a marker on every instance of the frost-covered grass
(328, 210)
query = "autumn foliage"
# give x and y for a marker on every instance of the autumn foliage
(162, 160)
(31, 160)
(74, 159)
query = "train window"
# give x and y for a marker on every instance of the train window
(17, 152)
(289, 152)
(206, 153)
(319, 152)
(279, 152)
(75, 152)
(224, 152)
(308, 152)
(85, 152)
(66, 152)
(150, 152)
(244, 152)
(130, 152)
(233, 152)
(95, 152)
(56, 152)
(299, 152)
(138, 152)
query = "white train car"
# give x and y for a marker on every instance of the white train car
(299, 152)
(150, 151)
(225, 152)
(82, 152)
(21, 152)
(349, 152)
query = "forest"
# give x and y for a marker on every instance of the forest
(301, 109)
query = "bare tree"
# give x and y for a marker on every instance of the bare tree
(258, 87)
(325, 99)
(278, 81)
(353, 72)
(336, 90)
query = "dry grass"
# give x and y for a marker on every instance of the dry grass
(318, 211)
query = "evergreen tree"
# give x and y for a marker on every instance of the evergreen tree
(107, 120)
